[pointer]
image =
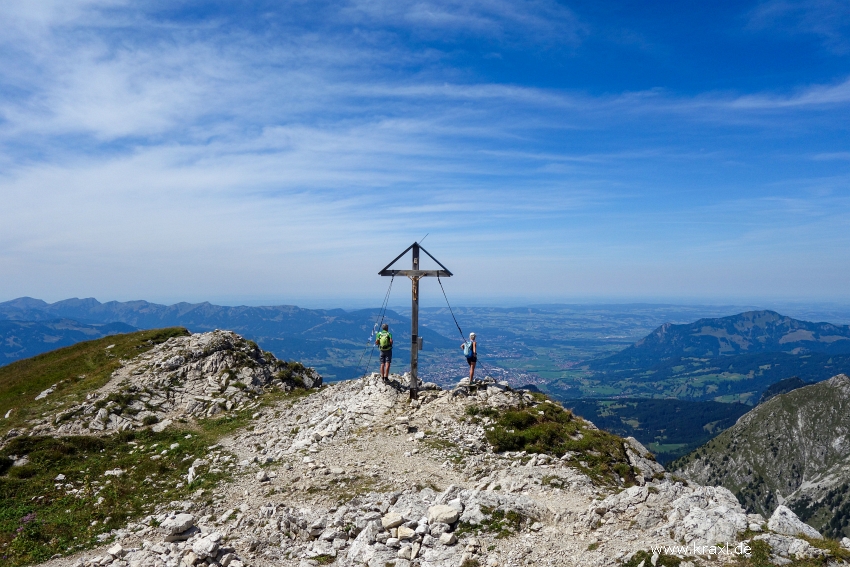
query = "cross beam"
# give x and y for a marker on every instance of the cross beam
(415, 275)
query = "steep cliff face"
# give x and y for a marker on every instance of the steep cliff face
(794, 449)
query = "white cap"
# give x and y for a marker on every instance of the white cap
(471, 335)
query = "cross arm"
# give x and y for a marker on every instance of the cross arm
(416, 273)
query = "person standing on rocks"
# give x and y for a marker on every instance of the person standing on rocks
(470, 350)
(384, 340)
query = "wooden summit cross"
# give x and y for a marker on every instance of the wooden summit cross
(415, 275)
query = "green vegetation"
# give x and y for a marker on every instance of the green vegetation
(39, 519)
(291, 371)
(760, 552)
(669, 428)
(42, 516)
(550, 429)
(759, 555)
(76, 370)
(644, 557)
(502, 524)
(832, 546)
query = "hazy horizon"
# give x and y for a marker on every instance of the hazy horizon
(836, 312)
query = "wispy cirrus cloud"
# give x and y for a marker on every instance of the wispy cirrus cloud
(148, 148)
(827, 19)
(531, 21)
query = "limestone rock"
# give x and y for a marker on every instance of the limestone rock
(392, 520)
(791, 547)
(176, 524)
(206, 546)
(442, 513)
(200, 375)
(405, 533)
(785, 522)
(639, 458)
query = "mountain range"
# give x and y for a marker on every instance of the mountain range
(329, 339)
(745, 333)
(726, 359)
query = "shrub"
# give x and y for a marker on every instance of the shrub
(5, 464)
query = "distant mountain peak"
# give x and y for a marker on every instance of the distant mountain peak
(748, 332)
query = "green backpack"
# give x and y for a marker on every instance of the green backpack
(385, 340)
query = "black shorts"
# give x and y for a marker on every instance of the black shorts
(471, 360)
(386, 356)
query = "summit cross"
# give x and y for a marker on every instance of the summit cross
(415, 275)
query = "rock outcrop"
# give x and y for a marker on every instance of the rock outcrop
(201, 375)
(785, 522)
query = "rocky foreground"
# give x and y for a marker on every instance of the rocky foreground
(355, 473)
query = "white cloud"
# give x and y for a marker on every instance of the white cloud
(169, 158)
(827, 19)
(529, 21)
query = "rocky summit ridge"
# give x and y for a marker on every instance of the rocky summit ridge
(204, 374)
(356, 473)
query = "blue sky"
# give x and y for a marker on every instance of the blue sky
(283, 152)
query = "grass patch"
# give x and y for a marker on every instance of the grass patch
(644, 556)
(41, 516)
(292, 371)
(830, 545)
(344, 490)
(759, 555)
(439, 444)
(549, 428)
(502, 524)
(476, 411)
(324, 559)
(760, 552)
(76, 370)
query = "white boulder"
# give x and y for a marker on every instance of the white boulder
(785, 522)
